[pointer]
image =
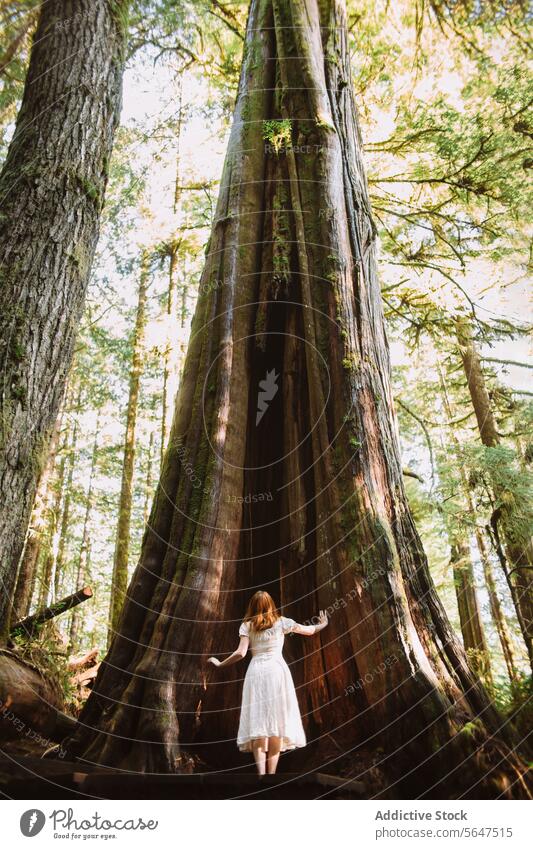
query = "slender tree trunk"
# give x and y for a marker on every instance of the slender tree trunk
(27, 573)
(166, 416)
(82, 574)
(47, 589)
(326, 524)
(518, 554)
(120, 565)
(169, 358)
(472, 629)
(148, 494)
(60, 563)
(467, 603)
(51, 193)
(498, 616)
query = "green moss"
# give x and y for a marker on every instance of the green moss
(19, 393)
(472, 729)
(281, 234)
(120, 13)
(252, 53)
(90, 190)
(323, 123)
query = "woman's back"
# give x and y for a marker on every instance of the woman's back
(269, 642)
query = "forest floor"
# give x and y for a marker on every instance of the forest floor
(29, 776)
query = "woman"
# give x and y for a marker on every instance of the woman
(270, 720)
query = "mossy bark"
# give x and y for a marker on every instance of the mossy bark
(51, 192)
(290, 287)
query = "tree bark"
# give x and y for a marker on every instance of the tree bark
(518, 553)
(121, 561)
(51, 193)
(28, 565)
(309, 502)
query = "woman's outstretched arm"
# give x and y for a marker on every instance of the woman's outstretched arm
(237, 655)
(309, 630)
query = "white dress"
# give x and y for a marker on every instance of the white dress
(269, 704)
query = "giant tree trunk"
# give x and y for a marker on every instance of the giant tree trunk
(122, 547)
(51, 193)
(518, 552)
(308, 503)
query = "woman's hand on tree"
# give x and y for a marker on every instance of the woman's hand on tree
(214, 660)
(322, 620)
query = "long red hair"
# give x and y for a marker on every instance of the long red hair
(261, 612)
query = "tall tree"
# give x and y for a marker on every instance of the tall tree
(472, 629)
(51, 193)
(172, 250)
(290, 311)
(469, 615)
(120, 565)
(84, 556)
(515, 538)
(498, 616)
(63, 526)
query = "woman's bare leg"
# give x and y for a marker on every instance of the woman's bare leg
(274, 746)
(259, 747)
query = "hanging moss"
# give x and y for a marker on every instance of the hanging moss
(281, 236)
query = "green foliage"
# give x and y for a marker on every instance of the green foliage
(47, 654)
(515, 702)
(278, 133)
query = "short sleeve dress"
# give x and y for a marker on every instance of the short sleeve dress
(269, 703)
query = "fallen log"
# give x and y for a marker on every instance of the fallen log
(31, 706)
(89, 659)
(83, 678)
(27, 627)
